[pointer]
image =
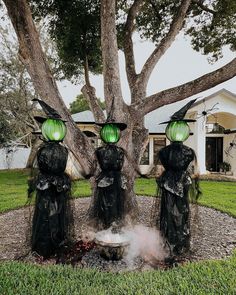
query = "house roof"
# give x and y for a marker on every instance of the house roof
(162, 114)
(223, 92)
(83, 117)
(151, 120)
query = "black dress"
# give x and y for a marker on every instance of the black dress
(52, 216)
(174, 186)
(110, 186)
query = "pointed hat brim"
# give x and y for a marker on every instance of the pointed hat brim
(121, 126)
(41, 119)
(185, 120)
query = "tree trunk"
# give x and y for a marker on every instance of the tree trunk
(111, 72)
(33, 152)
(116, 107)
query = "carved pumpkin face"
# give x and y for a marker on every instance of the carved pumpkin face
(177, 131)
(110, 133)
(54, 130)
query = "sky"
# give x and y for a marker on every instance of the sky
(179, 64)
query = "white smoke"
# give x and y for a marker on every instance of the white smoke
(145, 242)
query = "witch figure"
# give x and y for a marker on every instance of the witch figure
(110, 192)
(174, 184)
(52, 220)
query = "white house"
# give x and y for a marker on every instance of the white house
(213, 135)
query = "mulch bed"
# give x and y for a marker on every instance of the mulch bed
(213, 236)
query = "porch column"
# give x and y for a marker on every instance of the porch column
(151, 150)
(200, 143)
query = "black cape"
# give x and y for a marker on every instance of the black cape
(174, 186)
(110, 188)
(53, 219)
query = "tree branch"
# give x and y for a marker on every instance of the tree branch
(175, 28)
(111, 73)
(204, 7)
(178, 93)
(89, 93)
(34, 59)
(128, 43)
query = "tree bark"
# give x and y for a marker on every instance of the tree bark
(89, 93)
(137, 93)
(111, 72)
(33, 152)
(33, 57)
(115, 105)
(128, 43)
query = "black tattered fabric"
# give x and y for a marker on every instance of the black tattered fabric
(174, 186)
(110, 186)
(52, 220)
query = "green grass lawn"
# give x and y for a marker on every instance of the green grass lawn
(219, 195)
(13, 189)
(206, 278)
(203, 278)
(13, 193)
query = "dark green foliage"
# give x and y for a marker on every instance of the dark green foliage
(81, 104)
(212, 30)
(210, 25)
(154, 20)
(75, 27)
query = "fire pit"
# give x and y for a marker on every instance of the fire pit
(112, 246)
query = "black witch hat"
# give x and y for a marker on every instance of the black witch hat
(111, 120)
(179, 115)
(48, 110)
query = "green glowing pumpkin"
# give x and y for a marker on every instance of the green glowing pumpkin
(54, 130)
(110, 133)
(177, 131)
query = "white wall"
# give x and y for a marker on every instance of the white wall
(14, 159)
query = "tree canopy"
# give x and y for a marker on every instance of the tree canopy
(16, 91)
(80, 104)
(16, 88)
(75, 27)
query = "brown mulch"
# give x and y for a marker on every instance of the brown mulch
(213, 235)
